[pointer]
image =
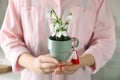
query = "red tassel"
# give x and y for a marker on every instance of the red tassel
(75, 57)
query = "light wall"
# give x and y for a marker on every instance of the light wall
(3, 5)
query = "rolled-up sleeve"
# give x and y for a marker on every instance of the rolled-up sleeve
(11, 35)
(102, 44)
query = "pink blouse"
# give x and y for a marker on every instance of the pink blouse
(26, 29)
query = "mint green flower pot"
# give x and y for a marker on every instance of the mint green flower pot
(60, 49)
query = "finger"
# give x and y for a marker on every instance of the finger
(48, 59)
(70, 68)
(60, 64)
(69, 62)
(48, 66)
(47, 71)
(58, 70)
(67, 72)
(64, 72)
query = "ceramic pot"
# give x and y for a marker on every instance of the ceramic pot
(60, 49)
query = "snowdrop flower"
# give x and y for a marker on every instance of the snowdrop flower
(59, 34)
(53, 34)
(53, 16)
(49, 15)
(58, 28)
(52, 28)
(64, 33)
(69, 17)
(66, 26)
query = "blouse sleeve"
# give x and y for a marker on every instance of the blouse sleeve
(11, 35)
(102, 44)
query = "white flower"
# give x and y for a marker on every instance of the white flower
(52, 28)
(56, 26)
(53, 16)
(66, 26)
(69, 17)
(59, 34)
(53, 34)
(49, 15)
(64, 33)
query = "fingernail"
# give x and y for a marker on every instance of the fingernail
(55, 72)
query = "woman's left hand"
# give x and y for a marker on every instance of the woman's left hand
(68, 68)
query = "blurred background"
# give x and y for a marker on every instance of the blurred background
(112, 69)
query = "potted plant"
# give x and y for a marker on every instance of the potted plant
(59, 43)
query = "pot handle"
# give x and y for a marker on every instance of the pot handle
(75, 42)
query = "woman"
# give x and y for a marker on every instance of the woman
(24, 34)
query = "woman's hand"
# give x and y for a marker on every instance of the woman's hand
(68, 68)
(44, 64)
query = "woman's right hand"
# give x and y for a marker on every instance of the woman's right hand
(44, 64)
